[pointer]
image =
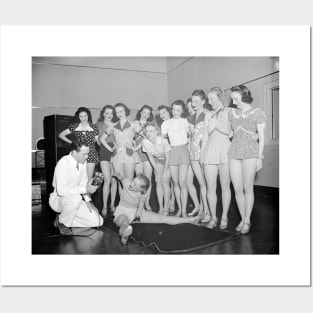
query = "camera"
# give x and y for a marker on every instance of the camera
(97, 179)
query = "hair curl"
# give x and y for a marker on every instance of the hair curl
(122, 105)
(80, 110)
(101, 118)
(150, 118)
(244, 92)
(182, 104)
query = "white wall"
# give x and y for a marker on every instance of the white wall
(58, 89)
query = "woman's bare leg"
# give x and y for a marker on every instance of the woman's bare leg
(139, 168)
(159, 187)
(174, 175)
(248, 167)
(166, 191)
(119, 169)
(210, 171)
(172, 197)
(106, 171)
(147, 170)
(113, 190)
(129, 170)
(198, 171)
(182, 180)
(90, 170)
(235, 169)
(225, 186)
(192, 191)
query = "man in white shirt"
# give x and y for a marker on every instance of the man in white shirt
(70, 182)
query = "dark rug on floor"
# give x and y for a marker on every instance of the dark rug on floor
(180, 238)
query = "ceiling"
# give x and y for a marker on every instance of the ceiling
(161, 65)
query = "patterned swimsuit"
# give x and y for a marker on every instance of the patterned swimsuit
(89, 137)
(244, 125)
(196, 139)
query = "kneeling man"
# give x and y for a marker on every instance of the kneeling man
(71, 184)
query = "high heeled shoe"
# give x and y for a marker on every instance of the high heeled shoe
(238, 228)
(206, 218)
(213, 223)
(194, 212)
(224, 223)
(245, 229)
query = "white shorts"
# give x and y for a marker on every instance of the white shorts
(130, 213)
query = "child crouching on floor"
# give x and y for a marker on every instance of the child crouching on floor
(132, 200)
(131, 207)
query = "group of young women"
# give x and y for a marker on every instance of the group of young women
(200, 140)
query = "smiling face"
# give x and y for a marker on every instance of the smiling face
(120, 113)
(164, 115)
(108, 114)
(82, 155)
(83, 117)
(236, 97)
(197, 103)
(177, 111)
(151, 133)
(135, 185)
(145, 114)
(190, 109)
(214, 100)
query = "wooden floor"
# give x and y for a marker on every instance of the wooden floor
(263, 238)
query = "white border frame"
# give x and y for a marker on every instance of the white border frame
(290, 43)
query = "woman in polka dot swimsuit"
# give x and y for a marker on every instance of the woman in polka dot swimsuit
(83, 129)
(246, 151)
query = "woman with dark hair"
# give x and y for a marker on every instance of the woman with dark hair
(214, 154)
(190, 176)
(165, 114)
(123, 156)
(83, 129)
(143, 116)
(197, 131)
(105, 127)
(246, 151)
(177, 129)
(158, 150)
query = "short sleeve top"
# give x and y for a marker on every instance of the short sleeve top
(247, 120)
(177, 131)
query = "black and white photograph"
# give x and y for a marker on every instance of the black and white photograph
(155, 155)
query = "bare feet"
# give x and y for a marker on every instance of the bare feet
(126, 233)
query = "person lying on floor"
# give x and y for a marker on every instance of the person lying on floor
(131, 207)
(70, 183)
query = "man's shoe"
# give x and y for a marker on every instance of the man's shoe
(64, 230)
